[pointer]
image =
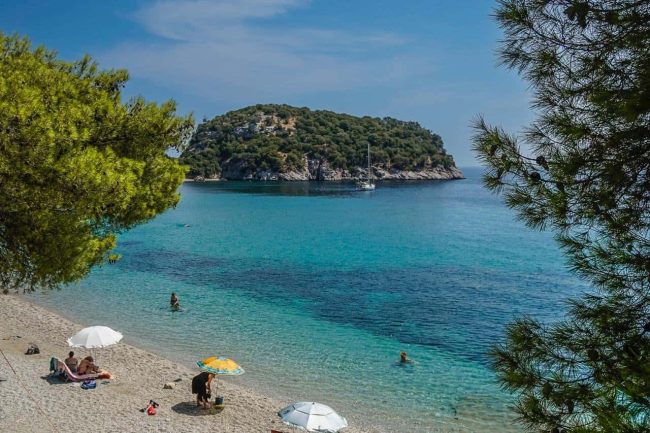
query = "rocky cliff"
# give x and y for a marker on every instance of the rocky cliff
(323, 171)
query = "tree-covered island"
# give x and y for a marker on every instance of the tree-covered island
(280, 142)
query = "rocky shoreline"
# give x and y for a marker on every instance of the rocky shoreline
(315, 170)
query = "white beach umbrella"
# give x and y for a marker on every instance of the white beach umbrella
(313, 417)
(95, 337)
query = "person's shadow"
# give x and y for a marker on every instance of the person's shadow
(191, 409)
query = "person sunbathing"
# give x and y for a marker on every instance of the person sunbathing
(87, 366)
(71, 362)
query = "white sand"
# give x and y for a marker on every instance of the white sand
(32, 402)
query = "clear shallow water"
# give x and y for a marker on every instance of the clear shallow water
(316, 288)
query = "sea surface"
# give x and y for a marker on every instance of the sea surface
(315, 288)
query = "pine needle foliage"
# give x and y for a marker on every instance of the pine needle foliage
(77, 165)
(584, 175)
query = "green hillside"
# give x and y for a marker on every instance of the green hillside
(280, 138)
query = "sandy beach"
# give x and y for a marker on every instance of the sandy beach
(34, 402)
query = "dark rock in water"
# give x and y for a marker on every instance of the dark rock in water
(32, 349)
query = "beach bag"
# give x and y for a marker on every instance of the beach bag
(150, 409)
(32, 350)
(89, 384)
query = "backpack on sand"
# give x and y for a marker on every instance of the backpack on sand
(150, 409)
(89, 384)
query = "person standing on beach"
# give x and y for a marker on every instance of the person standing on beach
(201, 387)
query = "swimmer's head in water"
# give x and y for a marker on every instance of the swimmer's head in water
(402, 356)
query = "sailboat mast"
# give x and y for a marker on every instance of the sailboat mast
(368, 161)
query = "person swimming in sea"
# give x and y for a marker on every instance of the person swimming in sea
(174, 302)
(403, 359)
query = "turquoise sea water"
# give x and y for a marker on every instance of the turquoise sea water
(315, 288)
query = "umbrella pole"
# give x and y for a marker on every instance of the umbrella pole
(95, 355)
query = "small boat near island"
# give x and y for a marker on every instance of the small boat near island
(366, 185)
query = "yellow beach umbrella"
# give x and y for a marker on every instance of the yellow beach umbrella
(220, 365)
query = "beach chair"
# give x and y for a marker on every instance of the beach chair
(61, 368)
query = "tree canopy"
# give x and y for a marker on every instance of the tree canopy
(279, 137)
(77, 165)
(583, 173)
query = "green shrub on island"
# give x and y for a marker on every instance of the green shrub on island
(77, 164)
(279, 138)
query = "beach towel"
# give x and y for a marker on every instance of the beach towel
(60, 365)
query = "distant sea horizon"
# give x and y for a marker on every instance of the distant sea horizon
(315, 288)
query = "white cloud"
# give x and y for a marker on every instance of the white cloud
(192, 19)
(230, 51)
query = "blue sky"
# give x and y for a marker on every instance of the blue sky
(431, 61)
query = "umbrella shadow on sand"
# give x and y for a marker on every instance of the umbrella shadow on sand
(191, 409)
